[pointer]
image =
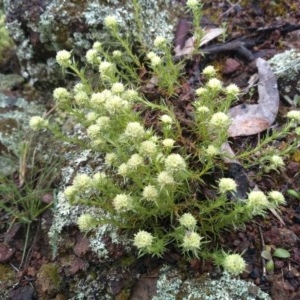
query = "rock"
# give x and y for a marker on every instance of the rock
(14, 118)
(286, 67)
(23, 293)
(48, 280)
(6, 253)
(231, 66)
(42, 27)
(281, 237)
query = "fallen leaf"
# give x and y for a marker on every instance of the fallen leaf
(189, 48)
(248, 119)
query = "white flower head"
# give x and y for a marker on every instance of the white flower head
(63, 58)
(232, 90)
(203, 109)
(134, 130)
(211, 150)
(106, 68)
(135, 161)
(193, 4)
(96, 143)
(103, 122)
(188, 221)
(276, 162)
(82, 182)
(143, 239)
(150, 193)
(86, 222)
(70, 191)
(123, 170)
(257, 203)
(151, 54)
(99, 178)
(148, 148)
(117, 53)
(93, 131)
(79, 87)
(165, 178)
(130, 94)
(175, 163)
(160, 41)
(209, 71)
(117, 88)
(110, 22)
(155, 61)
(97, 46)
(91, 116)
(168, 143)
(122, 202)
(234, 264)
(191, 241)
(166, 119)
(214, 84)
(227, 185)
(277, 198)
(99, 98)
(114, 104)
(219, 120)
(37, 123)
(92, 56)
(294, 115)
(201, 91)
(61, 94)
(110, 159)
(81, 97)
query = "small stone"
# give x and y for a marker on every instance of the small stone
(231, 66)
(5, 253)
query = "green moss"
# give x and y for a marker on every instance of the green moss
(49, 277)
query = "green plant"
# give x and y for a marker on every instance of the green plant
(268, 255)
(21, 197)
(154, 178)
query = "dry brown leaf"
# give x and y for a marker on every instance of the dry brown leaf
(189, 48)
(248, 119)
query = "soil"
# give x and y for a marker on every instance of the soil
(43, 277)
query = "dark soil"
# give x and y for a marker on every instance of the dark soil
(265, 25)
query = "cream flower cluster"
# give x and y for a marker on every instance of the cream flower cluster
(63, 58)
(175, 163)
(143, 240)
(122, 202)
(188, 221)
(110, 22)
(191, 241)
(86, 222)
(155, 60)
(134, 130)
(37, 123)
(227, 185)
(257, 203)
(150, 193)
(234, 264)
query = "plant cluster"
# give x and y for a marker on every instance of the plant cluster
(151, 185)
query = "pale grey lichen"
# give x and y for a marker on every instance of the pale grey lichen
(66, 214)
(65, 24)
(286, 67)
(286, 63)
(172, 285)
(14, 125)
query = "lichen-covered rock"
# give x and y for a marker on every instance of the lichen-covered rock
(286, 67)
(42, 27)
(14, 125)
